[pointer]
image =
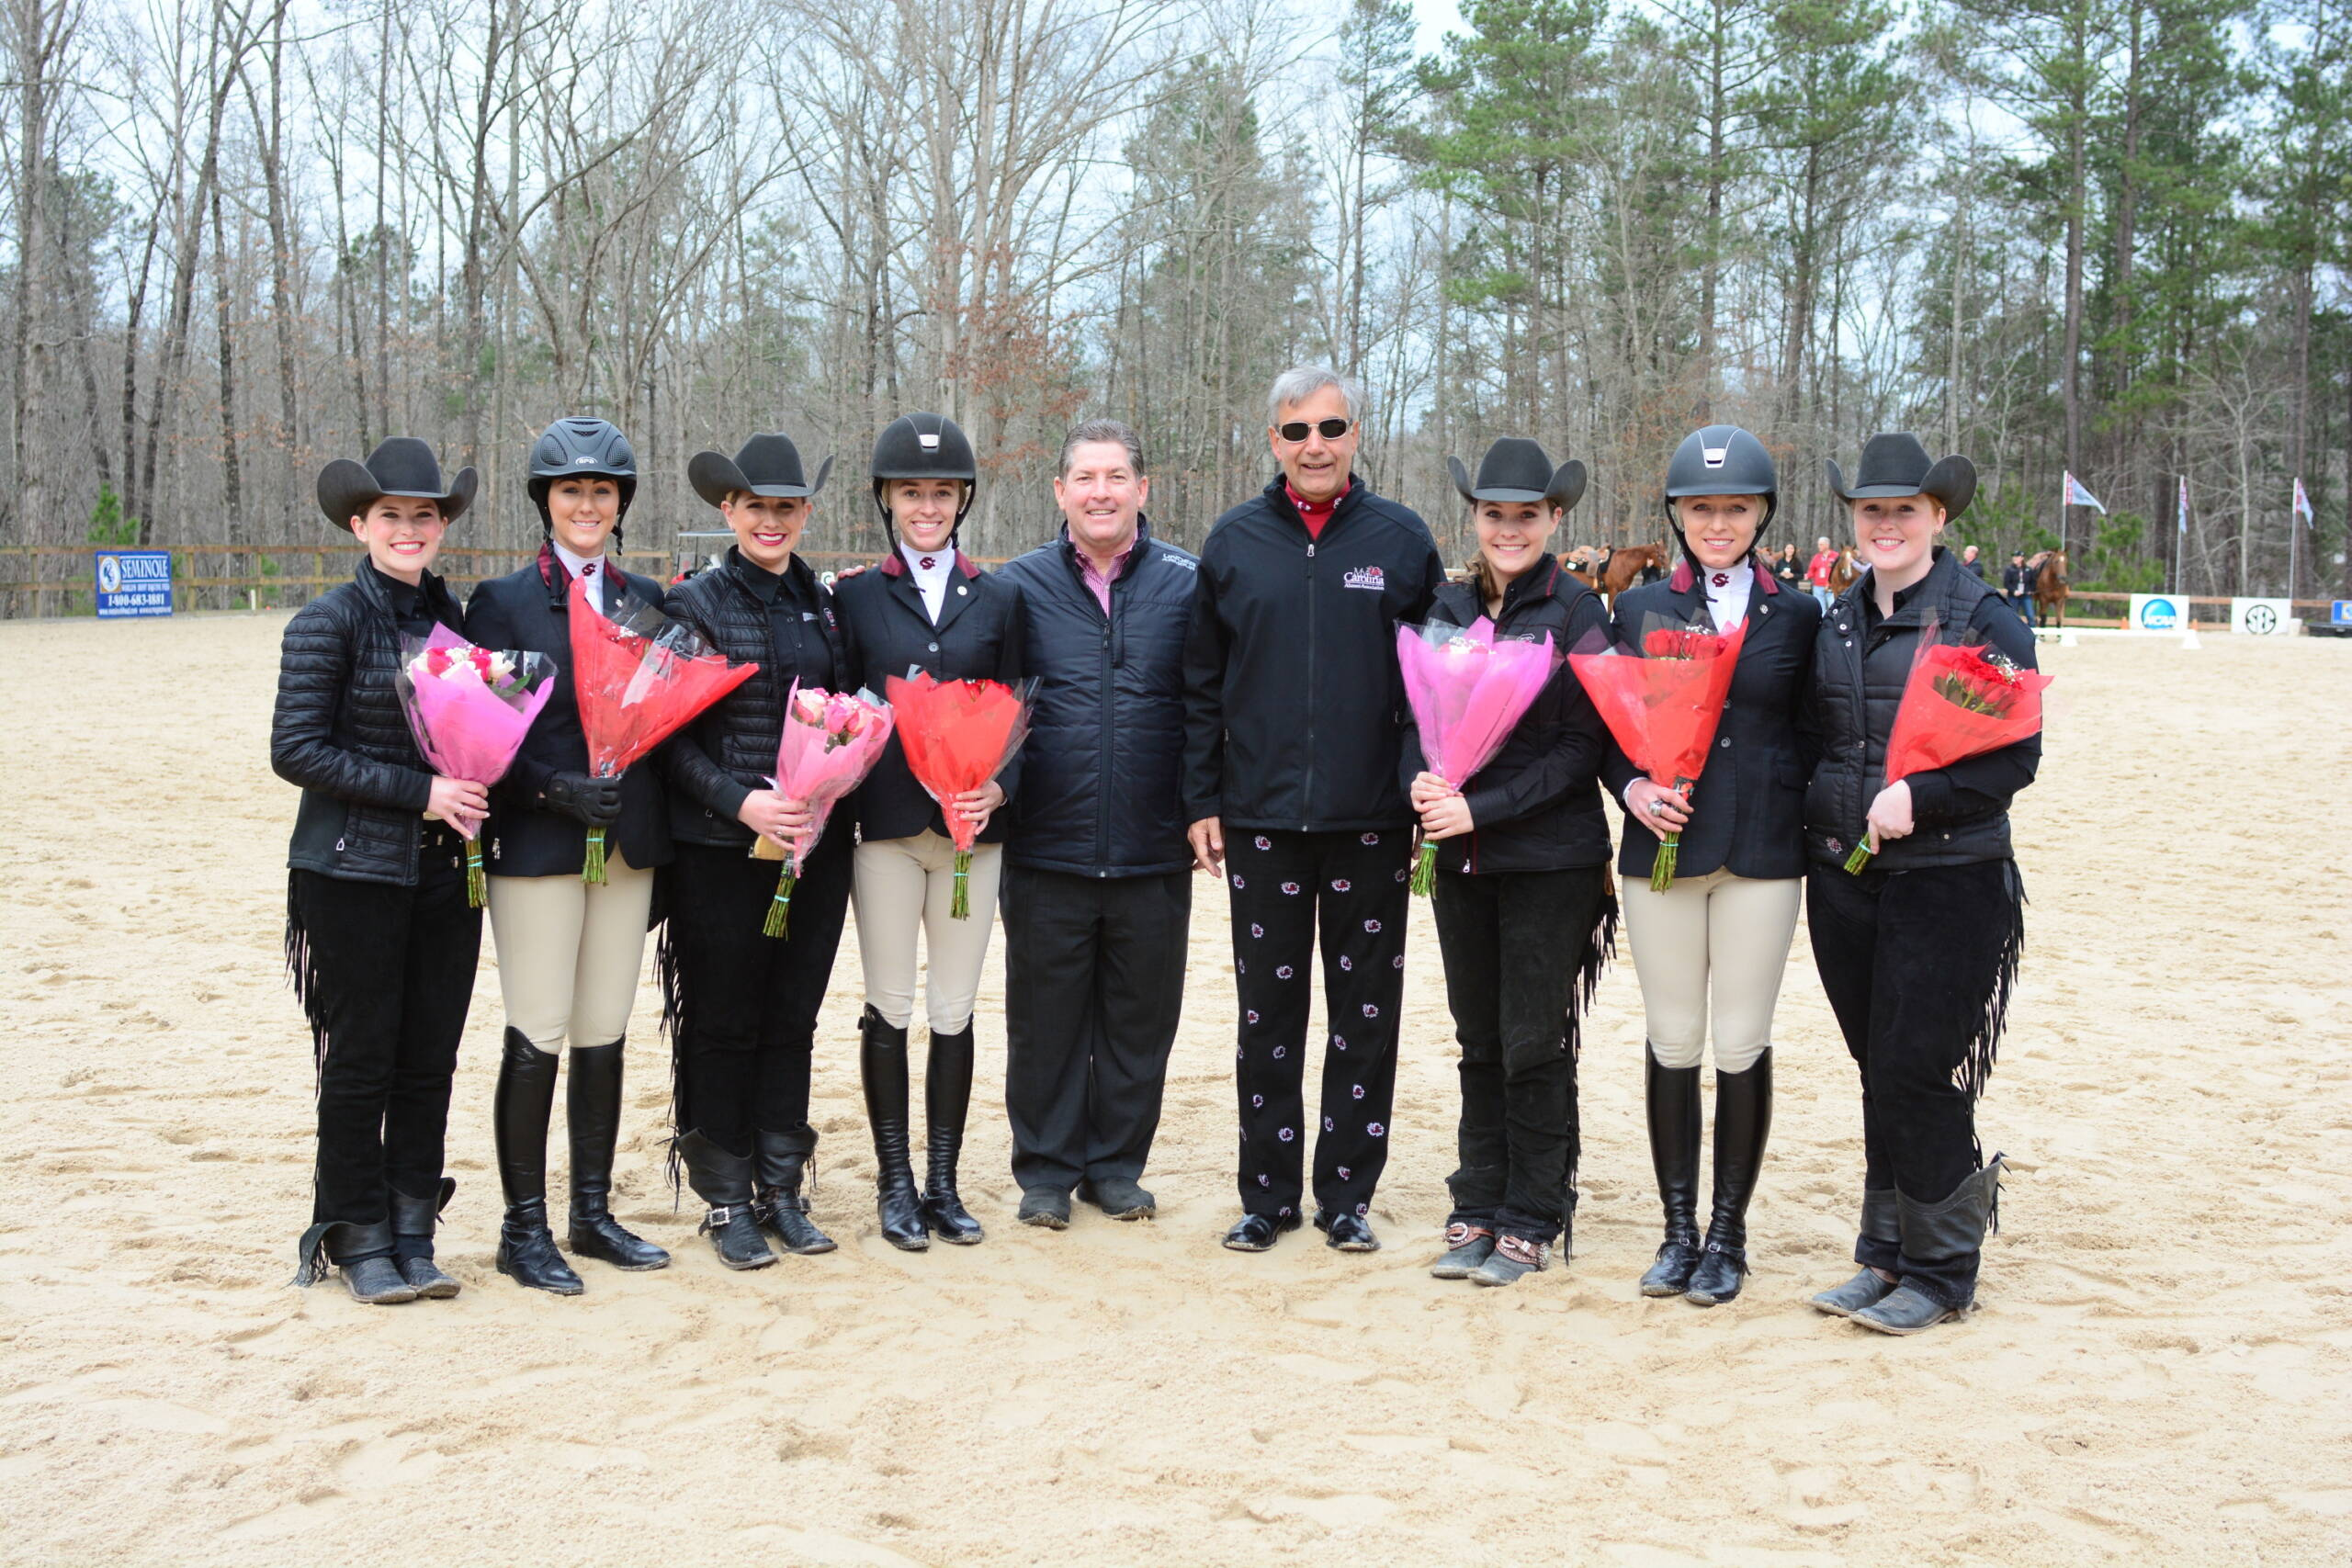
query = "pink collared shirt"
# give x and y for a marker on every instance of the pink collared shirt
(1100, 581)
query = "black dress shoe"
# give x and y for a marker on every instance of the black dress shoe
(1256, 1233)
(1347, 1232)
(722, 1179)
(1119, 1197)
(1045, 1206)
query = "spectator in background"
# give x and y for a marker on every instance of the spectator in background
(1821, 571)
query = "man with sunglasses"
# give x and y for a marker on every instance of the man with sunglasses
(1292, 713)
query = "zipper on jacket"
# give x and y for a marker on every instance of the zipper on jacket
(1110, 710)
(1307, 792)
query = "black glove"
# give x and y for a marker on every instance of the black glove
(584, 798)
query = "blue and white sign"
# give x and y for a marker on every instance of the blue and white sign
(2340, 613)
(2158, 613)
(134, 582)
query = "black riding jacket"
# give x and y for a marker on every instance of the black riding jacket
(786, 622)
(338, 730)
(1101, 777)
(532, 609)
(1861, 664)
(1294, 710)
(977, 638)
(1537, 805)
(1748, 808)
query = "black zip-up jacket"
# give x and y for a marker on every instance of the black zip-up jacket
(1748, 808)
(531, 609)
(1294, 710)
(1103, 771)
(977, 638)
(1861, 663)
(1537, 805)
(339, 733)
(786, 624)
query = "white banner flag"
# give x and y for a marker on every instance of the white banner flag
(2302, 502)
(2184, 506)
(2075, 495)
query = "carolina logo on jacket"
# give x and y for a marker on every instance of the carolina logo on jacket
(1365, 577)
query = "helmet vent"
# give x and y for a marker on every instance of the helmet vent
(1715, 455)
(930, 442)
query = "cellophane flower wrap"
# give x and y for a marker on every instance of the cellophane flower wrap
(469, 708)
(1468, 692)
(1960, 701)
(639, 677)
(831, 741)
(1662, 703)
(958, 735)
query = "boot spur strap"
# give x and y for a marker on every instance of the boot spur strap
(1519, 1250)
(1459, 1234)
(723, 1215)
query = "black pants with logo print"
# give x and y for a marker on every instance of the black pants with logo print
(1281, 883)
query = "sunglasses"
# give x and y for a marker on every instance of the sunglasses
(1295, 429)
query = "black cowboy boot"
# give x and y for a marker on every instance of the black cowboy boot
(1933, 1233)
(780, 1158)
(1743, 1122)
(723, 1182)
(1881, 1222)
(882, 1067)
(946, 1100)
(519, 1112)
(412, 1224)
(1670, 1096)
(592, 1110)
(363, 1255)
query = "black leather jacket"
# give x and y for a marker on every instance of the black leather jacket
(1537, 804)
(532, 609)
(729, 750)
(339, 733)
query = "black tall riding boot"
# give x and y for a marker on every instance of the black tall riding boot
(781, 1157)
(519, 1112)
(723, 1182)
(1670, 1097)
(882, 1066)
(946, 1100)
(1743, 1122)
(413, 1221)
(593, 1114)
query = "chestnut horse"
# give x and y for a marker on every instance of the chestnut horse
(1631, 564)
(1843, 571)
(2048, 586)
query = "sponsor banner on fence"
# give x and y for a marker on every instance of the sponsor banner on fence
(133, 582)
(2263, 617)
(2158, 613)
(2339, 613)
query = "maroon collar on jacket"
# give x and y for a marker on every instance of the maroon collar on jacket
(1684, 579)
(895, 565)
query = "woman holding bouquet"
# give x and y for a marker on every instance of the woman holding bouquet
(569, 950)
(926, 606)
(742, 1005)
(1918, 950)
(1717, 941)
(1522, 904)
(380, 940)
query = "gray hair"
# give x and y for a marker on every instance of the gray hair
(1295, 385)
(1091, 430)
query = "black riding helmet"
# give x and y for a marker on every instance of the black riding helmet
(923, 446)
(579, 445)
(1722, 459)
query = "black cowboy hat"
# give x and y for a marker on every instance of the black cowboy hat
(401, 466)
(1899, 464)
(1516, 469)
(767, 464)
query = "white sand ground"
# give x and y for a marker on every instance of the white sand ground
(2162, 1371)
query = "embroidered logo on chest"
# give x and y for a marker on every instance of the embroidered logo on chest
(1364, 576)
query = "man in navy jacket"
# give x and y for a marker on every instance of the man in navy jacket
(1097, 891)
(1294, 715)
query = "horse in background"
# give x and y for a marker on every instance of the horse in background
(2050, 586)
(1842, 575)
